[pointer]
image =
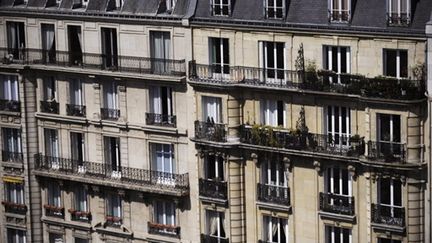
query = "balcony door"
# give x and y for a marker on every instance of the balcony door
(212, 109)
(9, 88)
(54, 195)
(338, 60)
(80, 202)
(11, 144)
(16, 236)
(161, 104)
(219, 58)
(77, 149)
(165, 213)
(390, 196)
(164, 163)
(214, 167)
(48, 43)
(272, 113)
(75, 45)
(274, 173)
(110, 95)
(337, 235)
(272, 62)
(215, 225)
(112, 155)
(52, 147)
(389, 135)
(49, 89)
(275, 229)
(109, 48)
(160, 46)
(114, 208)
(14, 192)
(16, 39)
(338, 125)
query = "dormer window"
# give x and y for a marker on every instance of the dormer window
(274, 9)
(221, 7)
(398, 12)
(339, 10)
(167, 6)
(79, 4)
(119, 4)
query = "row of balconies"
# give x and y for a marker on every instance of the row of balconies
(322, 81)
(353, 146)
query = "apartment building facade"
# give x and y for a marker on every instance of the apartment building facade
(214, 121)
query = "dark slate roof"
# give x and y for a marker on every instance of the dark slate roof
(366, 15)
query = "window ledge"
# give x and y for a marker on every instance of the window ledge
(223, 202)
(385, 227)
(274, 206)
(339, 217)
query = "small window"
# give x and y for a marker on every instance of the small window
(221, 7)
(398, 12)
(9, 88)
(114, 209)
(164, 213)
(274, 9)
(272, 61)
(167, 6)
(272, 112)
(396, 63)
(340, 10)
(16, 40)
(79, 4)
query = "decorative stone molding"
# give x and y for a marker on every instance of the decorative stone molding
(122, 88)
(254, 158)
(287, 163)
(352, 171)
(317, 166)
(96, 86)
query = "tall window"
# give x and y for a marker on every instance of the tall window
(337, 59)
(78, 149)
(396, 63)
(112, 155)
(163, 161)
(337, 235)
(399, 12)
(389, 134)
(9, 88)
(54, 194)
(48, 43)
(165, 213)
(119, 4)
(219, 56)
(80, 202)
(274, 9)
(74, 45)
(338, 181)
(109, 48)
(390, 194)
(161, 104)
(55, 238)
(160, 43)
(272, 60)
(167, 6)
(11, 144)
(114, 208)
(49, 89)
(274, 173)
(340, 10)
(212, 109)
(214, 167)
(338, 125)
(14, 192)
(215, 224)
(272, 112)
(16, 236)
(110, 101)
(52, 147)
(221, 7)
(76, 92)
(16, 39)
(275, 229)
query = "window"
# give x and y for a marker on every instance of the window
(398, 12)
(55, 238)
(219, 56)
(390, 192)
(274, 9)
(272, 61)
(338, 181)
(11, 145)
(212, 109)
(272, 113)
(48, 43)
(49, 89)
(167, 6)
(109, 48)
(382, 240)
(389, 128)
(337, 235)
(74, 45)
(9, 88)
(275, 229)
(110, 101)
(119, 4)
(338, 125)
(221, 7)
(52, 147)
(112, 155)
(215, 222)
(165, 213)
(114, 209)
(337, 59)
(80, 202)
(163, 161)
(214, 167)
(340, 10)
(16, 236)
(160, 43)
(80, 4)
(76, 92)
(14, 192)
(54, 195)
(77, 149)
(274, 173)
(161, 104)
(79, 240)
(396, 63)
(16, 39)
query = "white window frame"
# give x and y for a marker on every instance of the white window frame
(399, 11)
(333, 234)
(14, 192)
(392, 129)
(166, 218)
(212, 109)
(275, 7)
(270, 165)
(340, 10)
(223, 45)
(49, 85)
(54, 195)
(392, 204)
(115, 168)
(114, 205)
(76, 92)
(52, 147)
(12, 140)
(10, 90)
(331, 128)
(264, 49)
(110, 94)
(18, 236)
(81, 199)
(330, 188)
(156, 101)
(398, 61)
(328, 53)
(269, 111)
(282, 224)
(219, 217)
(221, 5)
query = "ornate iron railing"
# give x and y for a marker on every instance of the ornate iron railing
(110, 114)
(49, 107)
(273, 194)
(213, 239)
(213, 189)
(338, 204)
(388, 215)
(398, 19)
(113, 221)
(337, 15)
(15, 208)
(161, 120)
(10, 105)
(163, 229)
(114, 63)
(8, 156)
(387, 151)
(76, 110)
(319, 143)
(123, 174)
(210, 131)
(78, 215)
(54, 211)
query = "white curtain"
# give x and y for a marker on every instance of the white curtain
(160, 50)
(164, 154)
(211, 109)
(269, 114)
(156, 104)
(50, 89)
(213, 220)
(48, 37)
(12, 35)
(51, 142)
(111, 96)
(12, 139)
(81, 196)
(75, 87)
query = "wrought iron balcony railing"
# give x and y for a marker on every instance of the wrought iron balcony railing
(49, 107)
(387, 151)
(398, 19)
(76, 110)
(54, 211)
(337, 204)
(161, 120)
(147, 179)
(9, 156)
(213, 239)
(322, 80)
(16, 208)
(213, 189)
(319, 143)
(10, 105)
(273, 194)
(336, 15)
(113, 221)
(388, 215)
(110, 114)
(210, 131)
(163, 229)
(114, 63)
(78, 215)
